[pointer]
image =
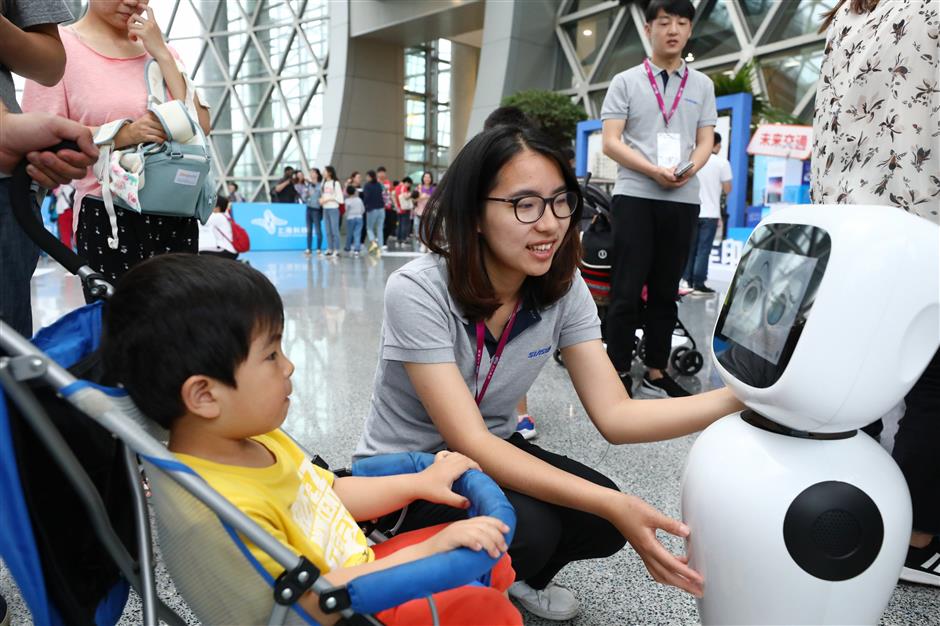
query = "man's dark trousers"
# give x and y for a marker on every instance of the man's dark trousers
(651, 246)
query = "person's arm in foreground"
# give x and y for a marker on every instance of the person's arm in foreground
(26, 134)
(452, 408)
(35, 53)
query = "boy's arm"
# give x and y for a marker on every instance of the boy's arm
(367, 498)
(35, 53)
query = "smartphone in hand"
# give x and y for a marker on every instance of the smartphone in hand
(683, 168)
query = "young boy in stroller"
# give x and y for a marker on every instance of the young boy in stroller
(222, 389)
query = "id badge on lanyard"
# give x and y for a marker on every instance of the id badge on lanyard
(668, 149)
(668, 144)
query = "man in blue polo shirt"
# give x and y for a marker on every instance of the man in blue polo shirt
(658, 118)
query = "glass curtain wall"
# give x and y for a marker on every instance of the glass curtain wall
(260, 65)
(598, 39)
(427, 108)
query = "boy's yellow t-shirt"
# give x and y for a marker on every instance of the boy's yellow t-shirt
(292, 499)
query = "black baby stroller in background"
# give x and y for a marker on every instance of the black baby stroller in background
(597, 243)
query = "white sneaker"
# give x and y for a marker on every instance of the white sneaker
(555, 602)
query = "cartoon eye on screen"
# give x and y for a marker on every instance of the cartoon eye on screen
(764, 308)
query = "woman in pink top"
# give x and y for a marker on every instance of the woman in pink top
(106, 52)
(425, 190)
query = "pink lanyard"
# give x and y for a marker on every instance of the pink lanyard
(481, 332)
(659, 95)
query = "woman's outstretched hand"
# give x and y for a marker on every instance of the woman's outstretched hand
(638, 522)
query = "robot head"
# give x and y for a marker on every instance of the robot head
(832, 315)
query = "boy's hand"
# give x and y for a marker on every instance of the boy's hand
(438, 479)
(476, 533)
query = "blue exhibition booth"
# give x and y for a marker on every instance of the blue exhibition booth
(272, 225)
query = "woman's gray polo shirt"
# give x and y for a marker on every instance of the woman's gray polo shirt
(630, 97)
(423, 324)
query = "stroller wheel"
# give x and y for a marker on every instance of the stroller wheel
(558, 358)
(687, 362)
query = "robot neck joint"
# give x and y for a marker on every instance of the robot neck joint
(757, 420)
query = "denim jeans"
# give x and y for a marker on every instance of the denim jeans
(404, 227)
(696, 270)
(331, 222)
(375, 221)
(314, 215)
(353, 233)
(18, 259)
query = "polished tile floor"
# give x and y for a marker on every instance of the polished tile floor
(334, 315)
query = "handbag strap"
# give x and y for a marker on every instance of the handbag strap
(104, 138)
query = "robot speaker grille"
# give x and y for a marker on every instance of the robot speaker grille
(833, 530)
(837, 533)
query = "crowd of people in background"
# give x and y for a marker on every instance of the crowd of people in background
(378, 213)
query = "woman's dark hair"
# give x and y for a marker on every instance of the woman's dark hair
(506, 116)
(859, 7)
(682, 8)
(371, 175)
(221, 202)
(427, 174)
(331, 171)
(318, 173)
(450, 226)
(180, 315)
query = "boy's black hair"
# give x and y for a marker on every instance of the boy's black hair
(180, 315)
(506, 116)
(381, 168)
(407, 179)
(717, 138)
(682, 8)
(415, 194)
(350, 190)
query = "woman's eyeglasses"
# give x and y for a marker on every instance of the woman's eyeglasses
(529, 209)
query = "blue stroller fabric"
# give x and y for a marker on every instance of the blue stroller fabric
(391, 587)
(63, 573)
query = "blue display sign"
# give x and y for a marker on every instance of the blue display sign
(273, 226)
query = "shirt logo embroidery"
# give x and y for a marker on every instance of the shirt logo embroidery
(538, 353)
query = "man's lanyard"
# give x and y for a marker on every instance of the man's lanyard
(659, 95)
(481, 333)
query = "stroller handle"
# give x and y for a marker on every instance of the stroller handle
(95, 284)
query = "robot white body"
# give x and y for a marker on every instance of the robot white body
(795, 517)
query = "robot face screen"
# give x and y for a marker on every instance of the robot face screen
(769, 301)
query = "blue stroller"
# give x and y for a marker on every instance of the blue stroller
(75, 521)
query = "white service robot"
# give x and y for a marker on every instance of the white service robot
(796, 517)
